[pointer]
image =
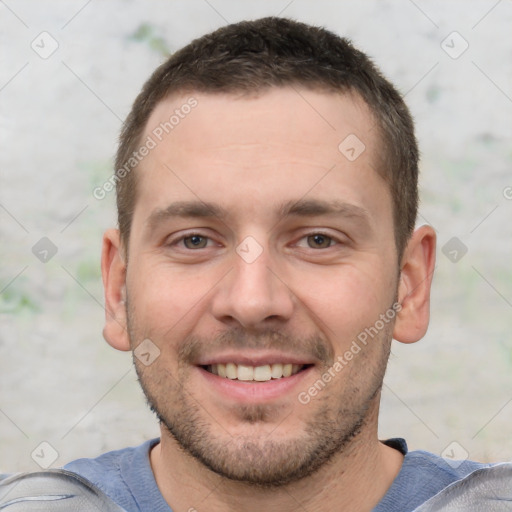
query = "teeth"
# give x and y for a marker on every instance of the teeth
(245, 372)
(262, 373)
(231, 371)
(277, 371)
(221, 370)
(254, 373)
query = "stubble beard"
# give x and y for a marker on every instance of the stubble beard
(335, 420)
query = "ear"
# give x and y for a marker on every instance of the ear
(416, 274)
(113, 270)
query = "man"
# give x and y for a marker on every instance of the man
(265, 258)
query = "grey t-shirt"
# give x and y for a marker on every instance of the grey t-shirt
(126, 476)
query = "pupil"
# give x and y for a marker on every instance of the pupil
(195, 241)
(321, 240)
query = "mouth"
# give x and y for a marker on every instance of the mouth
(261, 373)
(254, 384)
(254, 376)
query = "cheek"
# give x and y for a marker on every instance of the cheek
(346, 300)
(164, 299)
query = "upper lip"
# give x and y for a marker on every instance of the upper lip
(254, 358)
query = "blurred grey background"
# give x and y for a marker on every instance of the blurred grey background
(68, 75)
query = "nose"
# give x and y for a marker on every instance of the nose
(253, 294)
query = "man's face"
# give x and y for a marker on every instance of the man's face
(295, 262)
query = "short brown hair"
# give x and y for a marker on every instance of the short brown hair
(252, 56)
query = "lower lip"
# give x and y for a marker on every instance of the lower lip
(250, 391)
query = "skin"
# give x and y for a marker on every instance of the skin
(302, 296)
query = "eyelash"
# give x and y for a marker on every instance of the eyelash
(312, 233)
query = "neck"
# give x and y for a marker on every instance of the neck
(354, 480)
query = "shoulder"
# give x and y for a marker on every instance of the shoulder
(487, 488)
(32, 490)
(422, 476)
(108, 466)
(111, 472)
(445, 469)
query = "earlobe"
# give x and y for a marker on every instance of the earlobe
(414, 286)
(113, 270)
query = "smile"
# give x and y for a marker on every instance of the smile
(262, 373)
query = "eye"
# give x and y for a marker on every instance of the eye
(319, 241)
(194, 241)
(192, 246)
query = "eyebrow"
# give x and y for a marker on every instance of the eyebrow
(314, 207)
(185, 209)
(297, 208)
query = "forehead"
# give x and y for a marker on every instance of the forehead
(292, 115)
(242, 150)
